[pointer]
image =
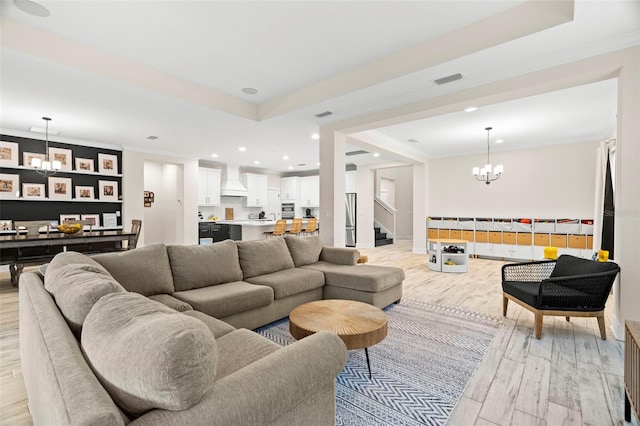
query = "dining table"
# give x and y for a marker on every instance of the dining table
(24, 249)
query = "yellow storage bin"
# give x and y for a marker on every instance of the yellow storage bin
(551, 252)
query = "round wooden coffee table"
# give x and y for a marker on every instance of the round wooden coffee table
(358, 324)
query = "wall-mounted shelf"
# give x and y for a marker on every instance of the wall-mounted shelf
(73, 172)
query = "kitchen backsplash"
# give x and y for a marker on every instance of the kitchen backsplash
(240, 211)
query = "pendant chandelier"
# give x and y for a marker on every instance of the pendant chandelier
(46, 167)
(484, 174)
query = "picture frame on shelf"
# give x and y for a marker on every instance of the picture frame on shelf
(107, 190)
(27, 157)
(8, 154)
(84, 165)
(33, 191)
(108, 164)
(109, 220)
(92, 217)
(69, 218)
(9, 186)
(63, 156)
(6, 225)
(59, 188)
(85, 193)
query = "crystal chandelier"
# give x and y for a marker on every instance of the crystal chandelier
(484, 174)
(46, 167)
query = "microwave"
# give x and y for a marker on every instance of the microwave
(288, 210)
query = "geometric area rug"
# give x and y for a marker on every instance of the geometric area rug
(419, 371)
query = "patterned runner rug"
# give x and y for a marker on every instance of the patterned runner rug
(419, 371)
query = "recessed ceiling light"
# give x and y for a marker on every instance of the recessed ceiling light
(249, 91)
(500, 141)
(256, 162)
(214, 155)
(290, 167)
(376, 154)
(152, 138)
(242, 149)
(32, 8)
(315, 136)
(318, 164)
(470, 109)
(286, 157)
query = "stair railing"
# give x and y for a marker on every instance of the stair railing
(385, 215)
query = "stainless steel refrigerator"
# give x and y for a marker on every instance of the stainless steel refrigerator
(350, 239)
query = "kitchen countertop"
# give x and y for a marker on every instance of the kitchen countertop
(249, 222)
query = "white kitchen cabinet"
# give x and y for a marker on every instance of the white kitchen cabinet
(350, 182)
(290, 189)
(256, 189)
(209, 187)
(310, 191)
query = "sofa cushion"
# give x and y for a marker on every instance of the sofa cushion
(288, 282)
(304, 250)
(218, 328)
(369, 278)
(172, 302)
(147, 355)
(227, 299)
(205, 265)
(241, 348)
(568, 265)
(261, 257)
(144, 270)
(77, 282)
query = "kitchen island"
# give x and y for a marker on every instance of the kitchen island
(244, 229)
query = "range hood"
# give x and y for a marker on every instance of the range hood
(231, 186)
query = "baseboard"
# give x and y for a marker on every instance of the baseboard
(366, 246)
(617, 328)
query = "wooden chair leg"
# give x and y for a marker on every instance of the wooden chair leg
(505, 303)
(538, 326)
(603, 332)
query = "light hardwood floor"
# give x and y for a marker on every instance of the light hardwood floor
(569, 377)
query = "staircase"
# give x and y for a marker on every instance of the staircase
(381, 238)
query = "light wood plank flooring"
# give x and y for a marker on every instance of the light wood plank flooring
(569, 377)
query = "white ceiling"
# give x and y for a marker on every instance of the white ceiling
(115, 72)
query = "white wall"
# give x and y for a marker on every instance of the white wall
(180, 215)
(403, 198)
(162, 218)
(551, 182)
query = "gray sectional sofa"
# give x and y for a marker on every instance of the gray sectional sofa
(158, 335)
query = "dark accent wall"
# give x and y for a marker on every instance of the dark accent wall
(51, 210)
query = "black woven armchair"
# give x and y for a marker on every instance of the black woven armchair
(568, 287)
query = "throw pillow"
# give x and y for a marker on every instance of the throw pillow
(568, 265)
(147, 355)
(77, 282)
(262, 257)
(304, 250)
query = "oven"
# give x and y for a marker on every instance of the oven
(288, 210)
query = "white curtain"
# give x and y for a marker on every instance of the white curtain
(606, 149)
